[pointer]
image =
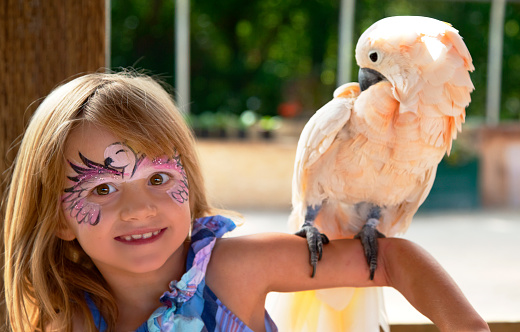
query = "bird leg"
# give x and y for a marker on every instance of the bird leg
(368, 236)
(315, 239)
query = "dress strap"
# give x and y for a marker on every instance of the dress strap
(99, 321)
(205, 232)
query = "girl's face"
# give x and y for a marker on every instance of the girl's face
(129, 212)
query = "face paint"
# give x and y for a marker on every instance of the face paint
(119, 158)
(121, 162)
(179, 192)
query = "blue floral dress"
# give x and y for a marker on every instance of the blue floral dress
(190, 305)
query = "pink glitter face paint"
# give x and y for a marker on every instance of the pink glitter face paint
(121, 164)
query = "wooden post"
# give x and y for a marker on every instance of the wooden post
(42, 43)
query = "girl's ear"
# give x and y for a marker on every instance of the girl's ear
(65, 233)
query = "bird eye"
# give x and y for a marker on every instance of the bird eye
(104, 189)
(374, 56)
(158, 179)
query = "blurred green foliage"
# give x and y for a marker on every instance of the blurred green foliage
(254, 55)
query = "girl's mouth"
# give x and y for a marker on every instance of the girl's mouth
(141, 238)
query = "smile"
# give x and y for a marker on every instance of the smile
(140, 238)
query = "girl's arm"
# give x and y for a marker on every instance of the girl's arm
(244, 269)
(428, 287)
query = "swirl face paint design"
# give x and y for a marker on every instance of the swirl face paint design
(121, 164)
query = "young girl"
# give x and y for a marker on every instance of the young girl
(107, 228)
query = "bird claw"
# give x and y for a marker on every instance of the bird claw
(368, 236)
(315, 241)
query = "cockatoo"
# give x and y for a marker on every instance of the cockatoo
(367, 159)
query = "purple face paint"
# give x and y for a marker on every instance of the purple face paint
(120, 165)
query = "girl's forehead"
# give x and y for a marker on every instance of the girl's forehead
(91, 141)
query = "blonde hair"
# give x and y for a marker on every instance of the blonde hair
(45, 277)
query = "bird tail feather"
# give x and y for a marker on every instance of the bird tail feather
(338, 309)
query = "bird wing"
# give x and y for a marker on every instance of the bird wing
(319, 133)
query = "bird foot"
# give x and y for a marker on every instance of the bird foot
(368, 236)
(315, 241)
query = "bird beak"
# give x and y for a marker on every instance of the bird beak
(368, 77)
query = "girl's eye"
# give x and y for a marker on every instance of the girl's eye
(158, 179)
(104, 189)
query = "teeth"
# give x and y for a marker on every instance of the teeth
(141, 236)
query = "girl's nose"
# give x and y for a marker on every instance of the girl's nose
(137, 205)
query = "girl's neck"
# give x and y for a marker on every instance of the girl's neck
(137, 296)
